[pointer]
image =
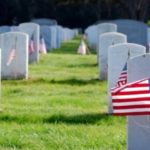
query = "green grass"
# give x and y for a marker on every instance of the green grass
(62, 106)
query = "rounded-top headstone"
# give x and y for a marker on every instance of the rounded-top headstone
(103, 28)
(106, 40)
(138, 126)
(4, 29)
(14, 47)
(118, 55)
(44, 21)
(136, 31)
(45, 32)
(33, 31)
(91, 34)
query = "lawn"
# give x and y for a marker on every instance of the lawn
(62, 106)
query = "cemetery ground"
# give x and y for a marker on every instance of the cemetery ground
(62, 106)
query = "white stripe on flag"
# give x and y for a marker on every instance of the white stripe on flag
(135, 89)
(132, 110)
(130, 103)
(131, 96)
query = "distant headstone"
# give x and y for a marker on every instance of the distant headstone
(91, 34)
(138, 126)
(45, 31)
(53, 37)
(14, 47)
(0, 79)
(44, 21)
(4, 29)
(59, 36)
(33, 31)
(148, 40)
(106, 40)
(14, 28)
(118, 55)
(103, 28)
(136, 31)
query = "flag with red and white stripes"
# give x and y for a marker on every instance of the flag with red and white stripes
(132, 99)
(11, 56)
(31, 45)
(42, 46)
(122, 80)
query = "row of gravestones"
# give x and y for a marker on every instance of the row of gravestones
(53, 35)
(136, 31)
(17, 49)
(114, 53)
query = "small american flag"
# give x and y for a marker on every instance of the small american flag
(42, 46)
(122, 80)
(11, 56)
(132, 99)
(31, 45)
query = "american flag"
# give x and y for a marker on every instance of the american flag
(132, 99)
(31, 45)
(42, 46)
(122, 80)
(11, 56)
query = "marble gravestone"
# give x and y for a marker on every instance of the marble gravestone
(91, 35)
(107, 39)
(138, 126)
(14, 29)
(148, 40)
(103, 28)
(4, 29)
(118, 55)
(53, 37)
(14, 47)
(45, 32)
(59, 36)
(44, 21)
(136, 31)
(33, 31)
(0, 81)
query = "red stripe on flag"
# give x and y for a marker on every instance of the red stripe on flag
(132, 93)
(132, 113)
(131, 99)
(132, 106)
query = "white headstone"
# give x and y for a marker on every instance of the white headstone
(0, 78)
(45, 32)
(148, 40)
(4, 29)
(53, 38)
(106, 40)
(59, 36)
(33, 31)
(118, 55)
(103, 28)
(91, 34)
(136, 31)
(138, 126)
(44, 21)
(14, 28)
(14, 47)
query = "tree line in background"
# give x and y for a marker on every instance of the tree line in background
(73, 13)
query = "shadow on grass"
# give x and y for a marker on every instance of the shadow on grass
(81, 65)
(92, 118)
(78, 119)
(71, 81)
(74, 81)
